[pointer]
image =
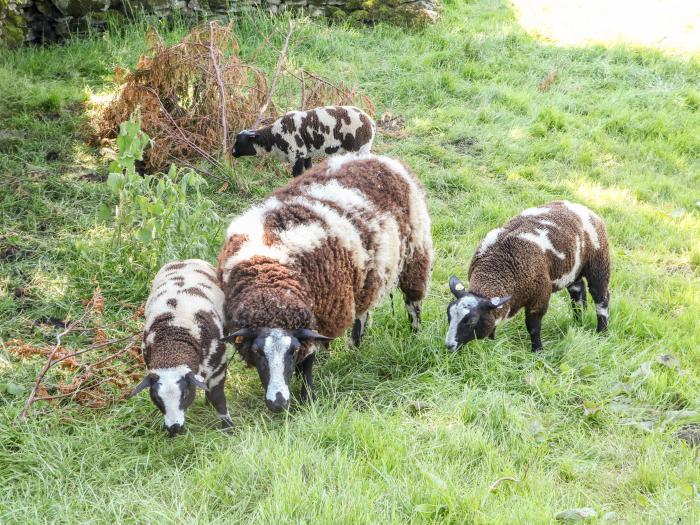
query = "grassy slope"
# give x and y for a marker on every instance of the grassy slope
(403, 431)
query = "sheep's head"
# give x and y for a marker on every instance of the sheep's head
(245, 145)
(275, 353)
(172, 391)
(470, 316)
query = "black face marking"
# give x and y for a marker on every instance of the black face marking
(474, 319)
(243, 146)
(275, 354)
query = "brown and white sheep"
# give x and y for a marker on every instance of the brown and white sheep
(316, 257)
(299, 136)
(183, 343)
(519, 265)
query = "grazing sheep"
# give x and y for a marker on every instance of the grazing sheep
(299, 136)
(315, 257)
(520, 265)
(182, 341)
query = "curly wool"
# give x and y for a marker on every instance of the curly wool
(325, 249)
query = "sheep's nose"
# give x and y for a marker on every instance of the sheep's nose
(174, 430)
(452, 347)
(279, 404)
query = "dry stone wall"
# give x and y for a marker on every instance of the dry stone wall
(52, 20)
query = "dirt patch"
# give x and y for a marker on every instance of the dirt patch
(467, 145)
(13, 253)
(690, 434)
(392, 125)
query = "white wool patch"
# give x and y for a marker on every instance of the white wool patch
(601, 310)
(587, 217)
(164, 288)
(336, 161)
(304, 237)
(570, 276)
(457, 312)
(387, 255)
(276, 345)
(339, 227)
(170, 393)
(489, 240)
(346, 198)
(541, 239)
(419, 217)
(535, 211)
(326, 118)
(354, 125)
(251, 224)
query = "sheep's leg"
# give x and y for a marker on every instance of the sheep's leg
(577, 292)
(492, 335)
(533, 322)
(298, 167)
(307, 163)
(359, 328)
(601, 297)
(307, 386)
(598, 276)
(216, 396)
(414, 309)
(413, 282)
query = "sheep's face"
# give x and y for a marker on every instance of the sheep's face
(172, 391)
(245, 144)
(275, 353)
(470, 316)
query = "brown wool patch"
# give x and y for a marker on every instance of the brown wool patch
(174, 266)
(209, 275)
(193, 290)
(172, 303)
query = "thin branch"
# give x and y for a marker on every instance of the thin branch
(93, 347)
(496, 483)
(280, 61)
(81, 388)
(222, 92)
(32, 396)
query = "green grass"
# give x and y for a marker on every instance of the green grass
(403, 431)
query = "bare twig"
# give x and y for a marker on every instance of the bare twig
(222, 91)
(80, 389)
(32, 396)
(93, 347)
(495, 484)
(280, 61)
(303, 91)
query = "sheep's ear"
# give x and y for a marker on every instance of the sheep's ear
(147, 381)
(457, 288)
(196, 381)
(498, 302)
(304, 334)
(240, 335)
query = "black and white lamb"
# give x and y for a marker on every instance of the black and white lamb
(182, 341)
(536, 253)
(315, 257)
(299, 136)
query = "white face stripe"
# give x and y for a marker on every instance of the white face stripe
(457, 313)
(276, 345)
(169, 392)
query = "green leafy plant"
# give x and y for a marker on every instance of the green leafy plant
(157, 217)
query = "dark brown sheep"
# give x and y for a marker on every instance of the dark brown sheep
(541, 251)
(316, 256)
(300, 136)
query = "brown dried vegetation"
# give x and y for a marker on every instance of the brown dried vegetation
(194, 96)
